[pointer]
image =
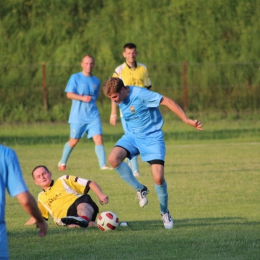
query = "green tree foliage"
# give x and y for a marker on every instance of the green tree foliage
(218, 39)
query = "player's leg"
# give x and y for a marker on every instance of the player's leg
(100, 152)
(133, 163)
(77, 131)
(157, 168)
(95, 132)
(116, 159)
(82, 212)
(68, 147)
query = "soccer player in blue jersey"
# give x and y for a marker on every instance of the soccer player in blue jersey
(83, 89)
(11, 179)
(132, 73)
(144, 136)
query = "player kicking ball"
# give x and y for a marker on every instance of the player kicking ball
(144, 136)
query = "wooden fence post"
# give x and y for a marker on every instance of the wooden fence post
(185, 88)
(44, 86)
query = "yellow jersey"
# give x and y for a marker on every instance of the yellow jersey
(60, 196)
(137, 76)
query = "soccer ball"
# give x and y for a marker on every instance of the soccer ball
(107, 220)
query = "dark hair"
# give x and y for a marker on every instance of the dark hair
(130, 45)
(39, 166)
(88, 55)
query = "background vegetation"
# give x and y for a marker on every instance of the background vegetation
(219, 40)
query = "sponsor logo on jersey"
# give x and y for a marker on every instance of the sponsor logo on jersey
(132, 109)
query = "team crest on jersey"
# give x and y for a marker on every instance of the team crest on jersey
(95, 86)
(132, 109)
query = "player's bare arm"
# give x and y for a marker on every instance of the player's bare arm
(74, 96)
(113, 115)
(103, 199)
(180, 113)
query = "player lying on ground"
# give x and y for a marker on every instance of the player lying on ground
(67, 199)
(144, 136)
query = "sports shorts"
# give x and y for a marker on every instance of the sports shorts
(92, 128)
(85, 198)
(151, 147)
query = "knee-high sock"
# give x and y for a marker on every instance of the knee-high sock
(162, 196)
(65, 154)
(101, 155)
(134, 163)
(126, 174)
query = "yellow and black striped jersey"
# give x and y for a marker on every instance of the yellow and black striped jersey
(60, 196)
(137, 76)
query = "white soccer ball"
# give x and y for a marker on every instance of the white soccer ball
(107, 220)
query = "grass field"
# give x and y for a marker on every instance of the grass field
(213, 182)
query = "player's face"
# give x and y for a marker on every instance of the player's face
(130, 55)
(119, 97)
(42, 177)
(87, 65)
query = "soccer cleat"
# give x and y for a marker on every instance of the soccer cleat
(106, 168)
(167, 220)
(136, 174)
(141, 195)
(62, 167)
(71, 220)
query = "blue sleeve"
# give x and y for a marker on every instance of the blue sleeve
(150, 98)
(15, 181)
(71, 85)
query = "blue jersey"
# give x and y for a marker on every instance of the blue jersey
(83, 112)
(11, 179)
(140, 111)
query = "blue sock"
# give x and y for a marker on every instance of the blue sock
(101, 155)
(65, 154)
(134, 163)
(126, 174)
(162, 196)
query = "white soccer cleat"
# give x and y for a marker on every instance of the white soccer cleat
(167, 220)
(141, 195)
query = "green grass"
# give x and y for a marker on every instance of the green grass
(213, 182)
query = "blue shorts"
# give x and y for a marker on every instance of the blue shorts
(151, 147)
(92, 128)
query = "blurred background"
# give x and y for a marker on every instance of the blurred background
(204, 54)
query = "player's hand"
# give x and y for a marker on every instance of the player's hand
(103, 200)
(86, 98)
(113, 121)
(195, 123)
(43, 226)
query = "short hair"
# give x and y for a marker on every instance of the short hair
(88, 55)
(113, 85)
(39, 166)
(130, 45)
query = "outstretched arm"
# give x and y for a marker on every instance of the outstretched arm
(113, 115)
(97, 190)
(29, 204)
(174, 107)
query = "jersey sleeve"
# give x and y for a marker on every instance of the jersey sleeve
(76, 183)
(150, 98)
(71, 85)
(147, 80)
(15, 181)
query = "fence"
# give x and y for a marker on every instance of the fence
(195, 86)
